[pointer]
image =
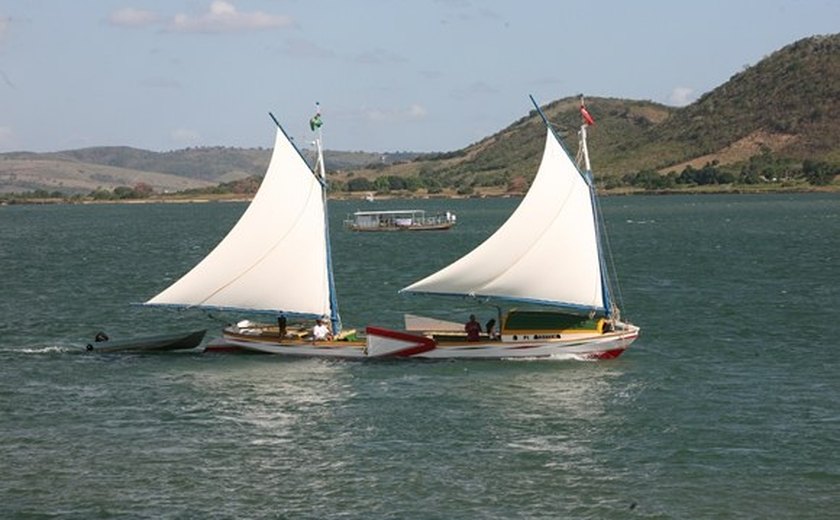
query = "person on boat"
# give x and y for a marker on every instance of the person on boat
(472, 328)
(281, 325)
(320, 332)
(490, 327)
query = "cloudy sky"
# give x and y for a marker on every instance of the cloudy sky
(390, 75)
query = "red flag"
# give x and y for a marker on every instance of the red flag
(586, 117)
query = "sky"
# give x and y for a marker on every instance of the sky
(389, 75)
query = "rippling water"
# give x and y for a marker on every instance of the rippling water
(728, 406)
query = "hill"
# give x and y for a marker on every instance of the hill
(789, 101)
(515, 151)
(787, 106)
(109, 167)
(778, 118)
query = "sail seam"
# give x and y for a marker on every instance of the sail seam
(261, 258)
(545, 230)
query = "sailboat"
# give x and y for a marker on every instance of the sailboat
(546, 262)
(276, 260)
(548, 258)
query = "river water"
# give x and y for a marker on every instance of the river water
(728, 406)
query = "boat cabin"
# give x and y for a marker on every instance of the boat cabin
(517, 325)
(528, 325)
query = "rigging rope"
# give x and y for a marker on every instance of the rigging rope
(612, 272)
(610, 259)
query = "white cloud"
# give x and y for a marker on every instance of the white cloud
(681, 96)
(130, 17)
(223, 17)
(417, 111)
(184, 136)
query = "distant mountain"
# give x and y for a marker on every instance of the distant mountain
(108, 167)
(787, 104)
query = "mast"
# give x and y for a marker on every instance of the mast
(321, 173)
(551, 129)
(587, 120)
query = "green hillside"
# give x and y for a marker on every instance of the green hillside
(783, 111)
(790, 101)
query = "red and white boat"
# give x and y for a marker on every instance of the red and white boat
(548, 258)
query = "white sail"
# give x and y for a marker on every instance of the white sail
(547, 252)
(275, 258)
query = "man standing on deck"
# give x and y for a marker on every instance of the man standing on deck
(473, 329)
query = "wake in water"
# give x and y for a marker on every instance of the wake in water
(41, 349)
(553, 357)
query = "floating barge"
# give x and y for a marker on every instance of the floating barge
(402, 220)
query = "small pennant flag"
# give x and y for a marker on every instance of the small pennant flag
(316, 122)
(585, 115)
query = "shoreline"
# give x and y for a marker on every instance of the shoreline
(622, 192)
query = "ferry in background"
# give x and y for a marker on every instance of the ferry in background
(399, 220)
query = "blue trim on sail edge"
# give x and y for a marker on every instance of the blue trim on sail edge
(322, 182)
(589, 179)
(534, 301)
(605, 286)
(335, 317)
(229, 309)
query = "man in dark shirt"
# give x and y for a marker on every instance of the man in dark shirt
(473, 329)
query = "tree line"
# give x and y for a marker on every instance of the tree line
(763, 168)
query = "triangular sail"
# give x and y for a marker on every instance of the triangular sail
(547, 251)
(275, 259)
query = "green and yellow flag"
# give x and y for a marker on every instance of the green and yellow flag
(316, 122)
